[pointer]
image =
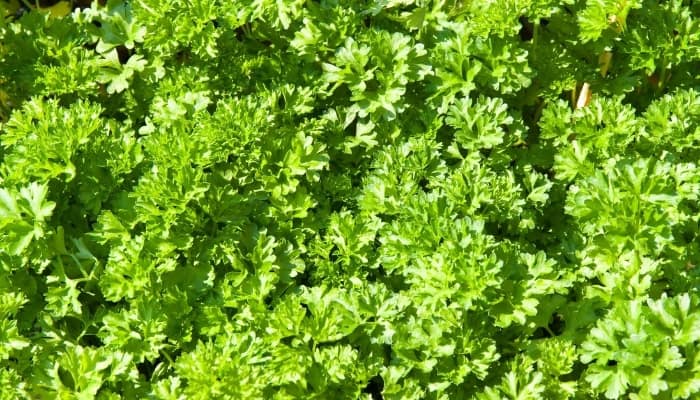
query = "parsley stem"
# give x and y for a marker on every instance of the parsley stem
(167, 356)
(535, 35)
(546, 328)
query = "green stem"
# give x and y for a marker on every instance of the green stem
(546, 328)
(167, 357)
(535, 34)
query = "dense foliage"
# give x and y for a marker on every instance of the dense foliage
(350, 199)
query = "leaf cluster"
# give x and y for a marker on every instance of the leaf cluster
(358, 199)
